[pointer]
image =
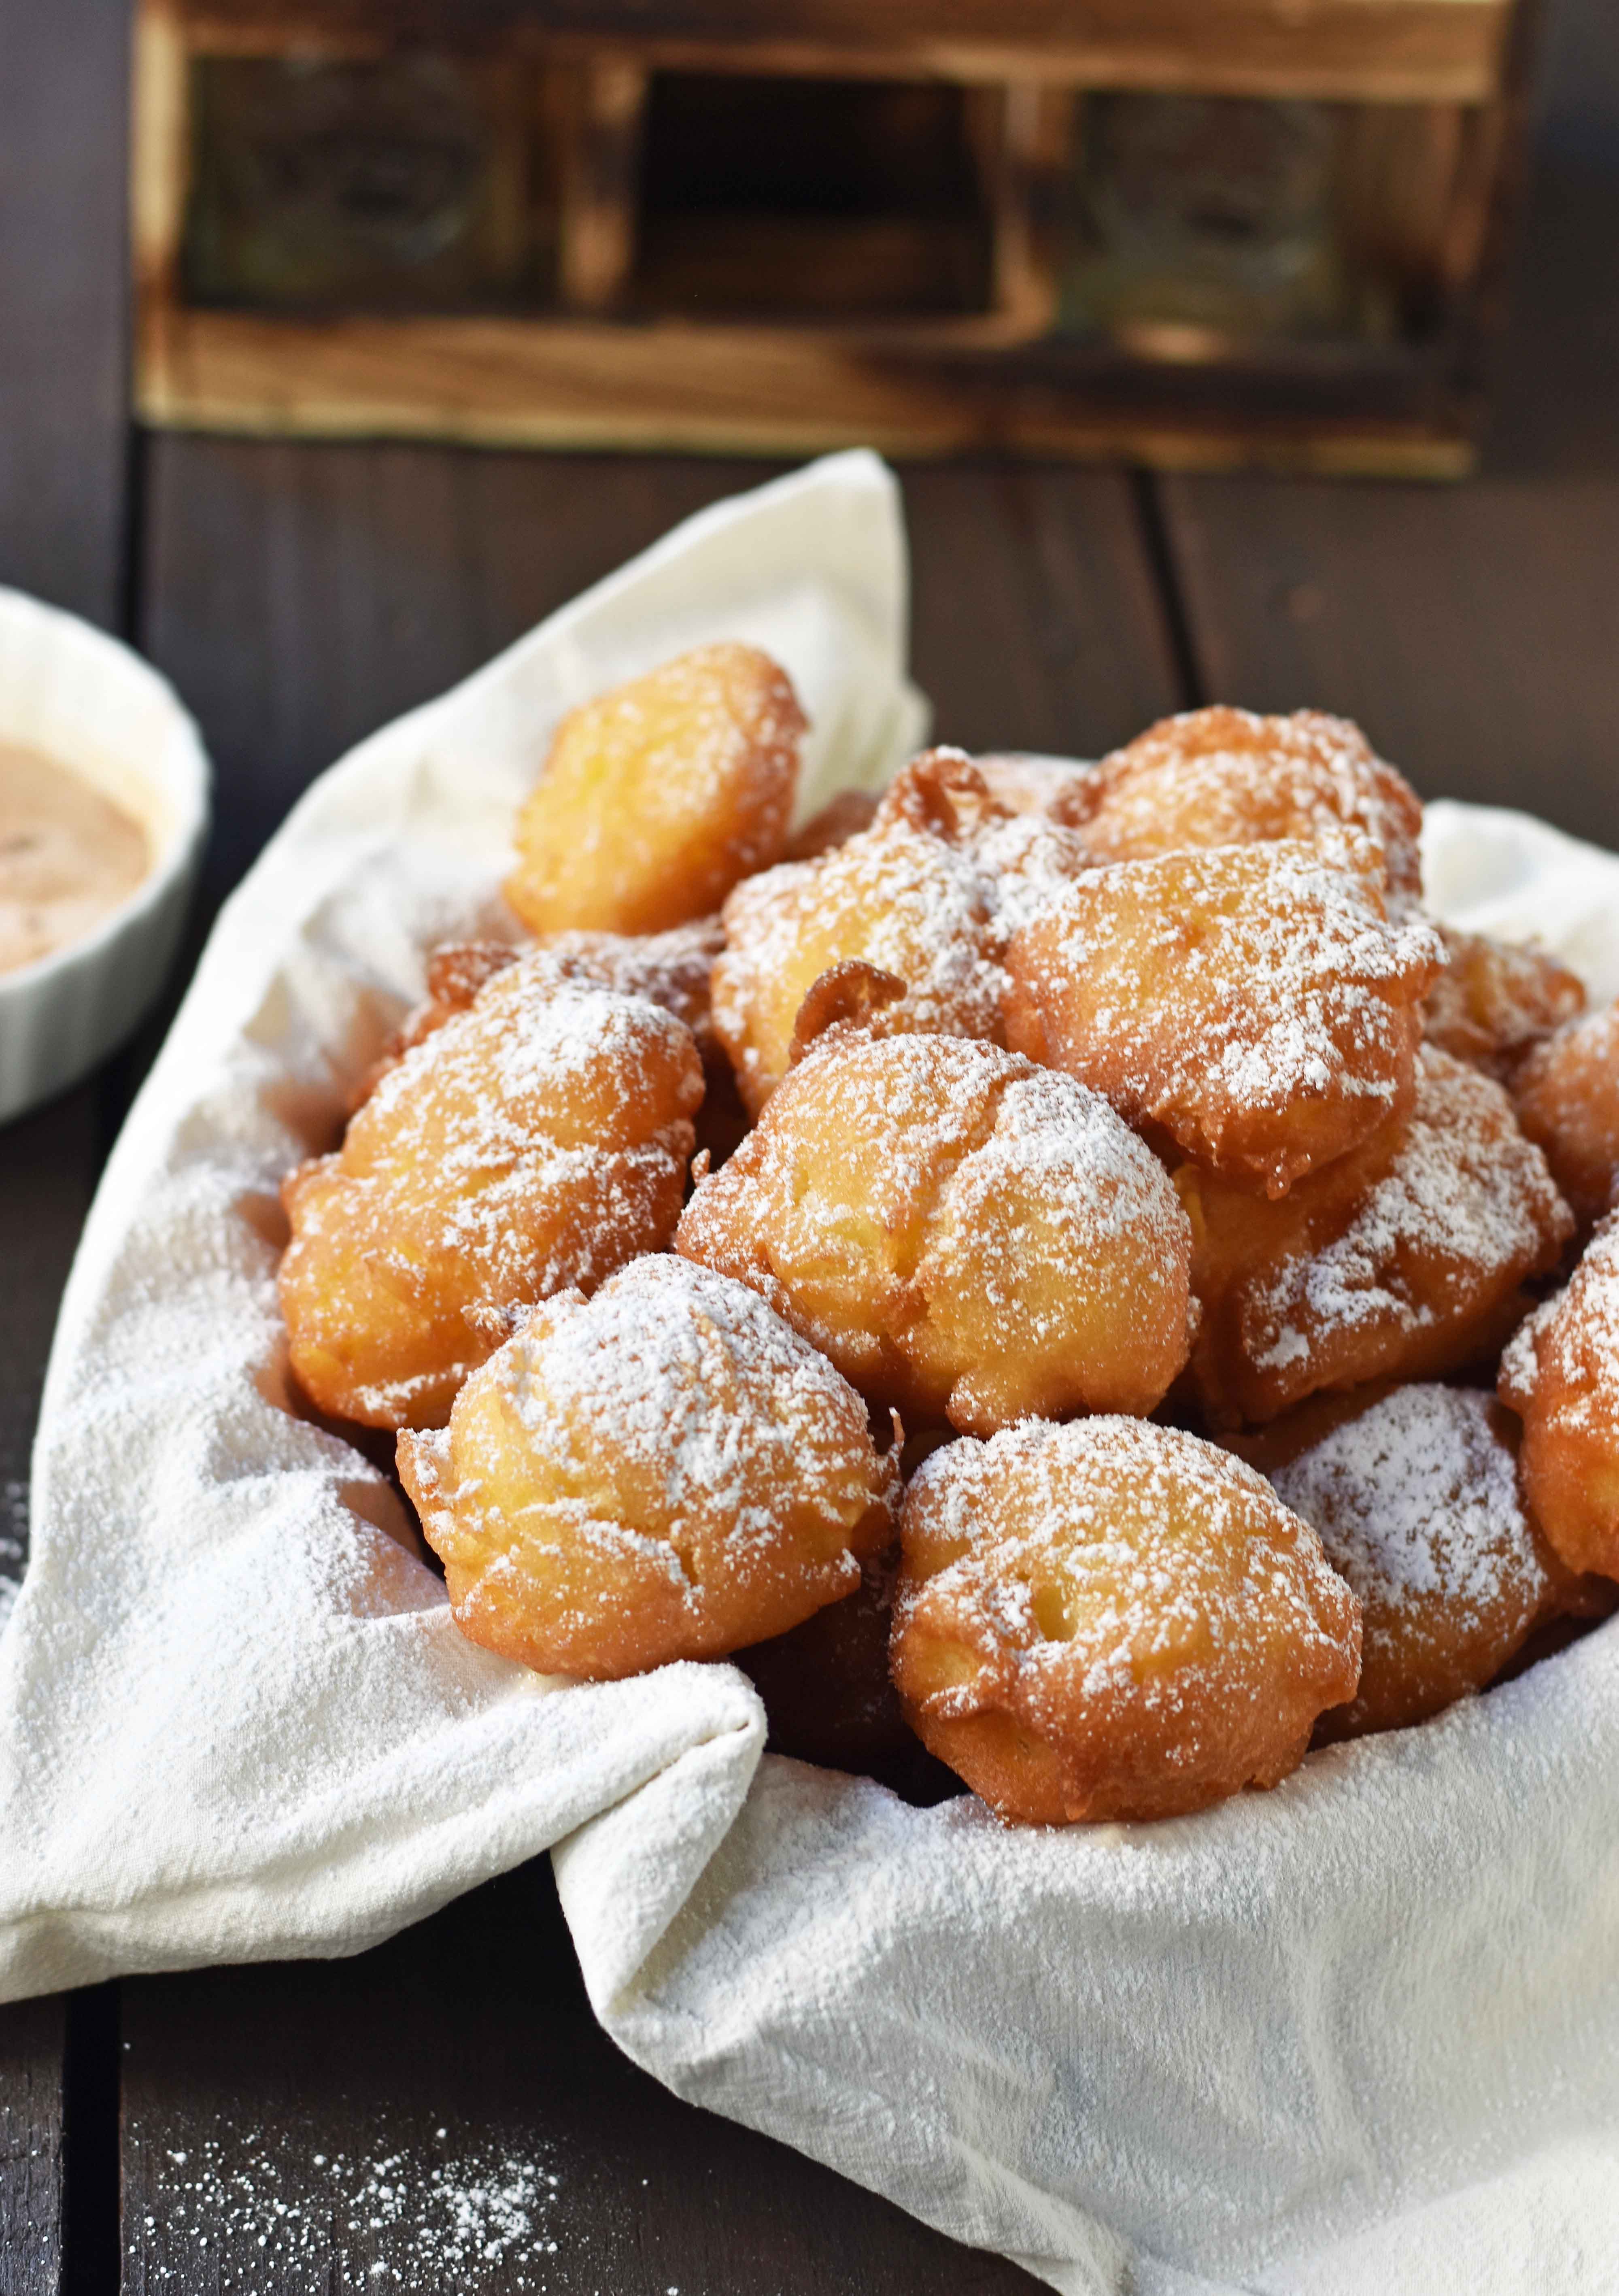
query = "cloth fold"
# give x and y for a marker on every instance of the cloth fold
(1356, 2035)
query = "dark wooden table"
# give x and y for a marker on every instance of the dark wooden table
(444, 2113)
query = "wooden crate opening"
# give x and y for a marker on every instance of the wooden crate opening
(1199, 227)
(401, 183)
(1276, 240)
(813, 197)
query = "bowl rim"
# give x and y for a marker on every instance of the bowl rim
(184, 780)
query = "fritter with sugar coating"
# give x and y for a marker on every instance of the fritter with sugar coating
(1413, 1494)
(963, 1233)
(537, 1140)
(670, 969)
(1113, 1620)
(1249, 1001)
(1567, 1096)
(1402, 1260)
(1025, 855)
(1494, 1003)
(1561, 1375)
(658, 797)
(928, 895)
(664, 1470)
(1224, 776)
(897, 899)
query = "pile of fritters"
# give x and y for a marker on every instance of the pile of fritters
(1057, 1267)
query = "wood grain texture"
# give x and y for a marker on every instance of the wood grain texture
(47, 1161)
(1036, 622)
(33, 2036)
(1384, 49)
(300, 596)
(1473, 631)
(63, 306)
(444, 2114)
(63, 446)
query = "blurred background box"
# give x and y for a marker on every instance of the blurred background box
(1196, 234)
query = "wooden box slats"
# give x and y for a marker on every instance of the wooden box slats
(622, 350)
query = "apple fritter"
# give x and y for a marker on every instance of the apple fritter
(1567, 1096)
(664, 1470)
(1223, 776)
(1113, 1620)
(1494, 1003)
(1404, 1259)
(1413, 1493)
(1561, 1375)
(539, 1139)
(1249, 1003)
(964, 1234)
(657, 797)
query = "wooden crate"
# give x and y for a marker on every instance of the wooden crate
(977, 266)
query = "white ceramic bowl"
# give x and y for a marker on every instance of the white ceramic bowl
(81, 698)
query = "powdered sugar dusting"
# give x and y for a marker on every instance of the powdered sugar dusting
(1416, 1496)
(1167, 1554)
(690, 1379)
(899, 898)
(1217, 775)
(1464, 1201)
(247, 2211)
(1228, 995)
(1570, 1342)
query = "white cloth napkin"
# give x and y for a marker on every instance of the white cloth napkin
(1358, 2034)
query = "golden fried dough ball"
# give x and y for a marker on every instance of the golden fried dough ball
(1566, 1095)
(962, 1233)
(670, 969)
(1249, 1001)
(1494, 1003)
(658, 797)
(1413, 1494)
(1402, 1260)
(664, 1470)
(1113, 1620)
(1224, 776)
(897, 899)
(1561, 1375)
(537, 1140)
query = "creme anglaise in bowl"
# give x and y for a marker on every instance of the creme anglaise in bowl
(104, 810)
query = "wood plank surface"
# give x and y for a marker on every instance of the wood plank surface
(63, 301)
(47, 1163)
(63, 443)
(300, 595)
(1473, 632)
(444, 2113)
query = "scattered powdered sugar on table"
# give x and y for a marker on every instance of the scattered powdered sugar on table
(254, 2216)
(1417, 1496)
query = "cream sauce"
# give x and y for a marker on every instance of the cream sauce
(68, 855)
